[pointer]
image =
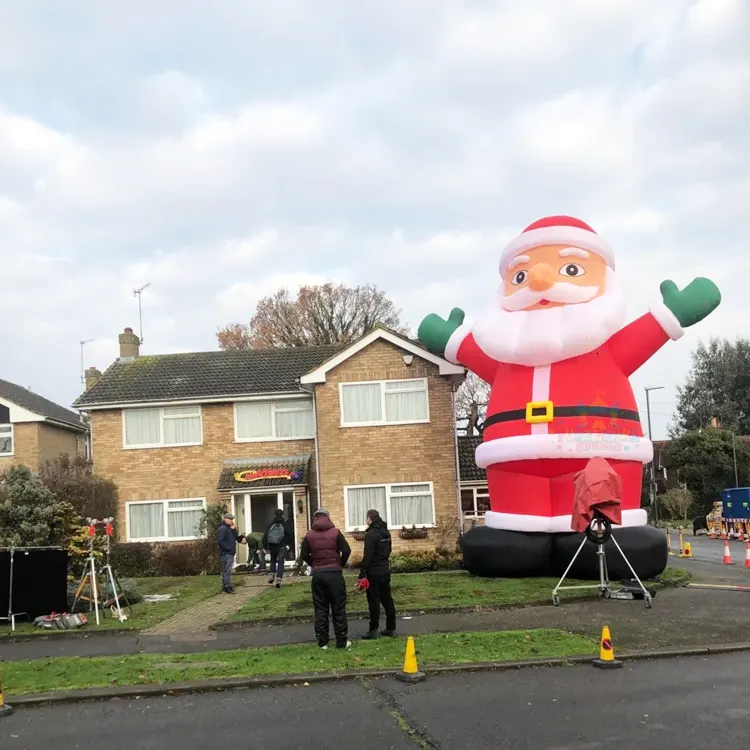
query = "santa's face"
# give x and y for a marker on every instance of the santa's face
(556, 302)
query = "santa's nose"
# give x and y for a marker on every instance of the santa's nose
(541, 277)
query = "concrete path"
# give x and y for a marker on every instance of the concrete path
(698, 702)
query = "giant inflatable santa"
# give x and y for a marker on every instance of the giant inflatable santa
(558, 357)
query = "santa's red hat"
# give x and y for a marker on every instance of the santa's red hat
(557, 230)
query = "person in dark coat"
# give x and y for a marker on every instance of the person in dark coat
(227, 538)
(376, 569)
(279, 537)
(326, 550)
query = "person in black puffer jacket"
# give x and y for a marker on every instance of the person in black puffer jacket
(376, 568)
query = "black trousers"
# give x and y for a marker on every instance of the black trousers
(380, 593)
(329, 595)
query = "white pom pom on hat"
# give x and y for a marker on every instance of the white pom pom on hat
(557, 230)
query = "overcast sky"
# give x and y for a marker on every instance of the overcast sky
(220, 154)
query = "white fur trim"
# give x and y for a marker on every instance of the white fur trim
(668, 321)
(456, 339)
(552, 524)
(540, 392)
(566, 445)
(572, 236)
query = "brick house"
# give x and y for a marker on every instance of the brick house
(34, 430)
(365, 425)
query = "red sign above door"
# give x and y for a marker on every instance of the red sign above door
(255, 475)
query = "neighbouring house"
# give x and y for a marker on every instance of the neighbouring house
(475, 496)
(348, 428)
(34, 430)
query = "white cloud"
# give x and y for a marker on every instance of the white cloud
(219, 154)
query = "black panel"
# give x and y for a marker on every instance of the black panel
(39, 581)
(4, 414)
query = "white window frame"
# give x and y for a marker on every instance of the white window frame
(477, 490)
(162, 417)
(384, 422)
(277, 405)
(12, 440)
(388, 486)
(166, 511)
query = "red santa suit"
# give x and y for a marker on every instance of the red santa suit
(545, 421)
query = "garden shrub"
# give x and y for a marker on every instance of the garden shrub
(425, 560)
(143, 560)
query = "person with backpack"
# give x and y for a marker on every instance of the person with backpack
(326, 550)
(278, 538)
(375, 576)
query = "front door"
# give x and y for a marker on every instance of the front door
(262, 508)
(240, 508)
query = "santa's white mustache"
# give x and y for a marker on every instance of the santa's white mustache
(562, 292)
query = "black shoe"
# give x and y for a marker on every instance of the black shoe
(497, 553)
(388, 633)
(370, 635)
(645, 547)
(348, 644)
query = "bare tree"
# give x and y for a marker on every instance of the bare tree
(471, 405)
(325, 314)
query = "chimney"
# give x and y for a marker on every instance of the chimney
(92, 377)
(129, 345)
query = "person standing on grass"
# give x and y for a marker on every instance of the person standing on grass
(228, 538)
(327, 552)
(376, 569)
(278, 538)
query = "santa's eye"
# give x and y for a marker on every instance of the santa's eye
(572, 270)
(519, 277)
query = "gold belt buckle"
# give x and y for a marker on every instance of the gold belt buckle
(534, 406)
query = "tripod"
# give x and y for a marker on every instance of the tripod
(88, 577)
(599, 532)
(110, 580)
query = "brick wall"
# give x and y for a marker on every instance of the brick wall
(180, 472)
(387, 454)
(25, 447)
(54, 441)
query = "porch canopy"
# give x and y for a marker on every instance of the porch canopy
(253, 473)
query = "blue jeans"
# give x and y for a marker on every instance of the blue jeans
(278, 556)
(227, 563)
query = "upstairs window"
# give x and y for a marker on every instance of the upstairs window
(290, 419)
(400, 505)
(475, 501)
(384, 402)
(171, 425)
(6, 439)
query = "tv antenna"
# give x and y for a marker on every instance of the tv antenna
(83, 371)
(137, 293)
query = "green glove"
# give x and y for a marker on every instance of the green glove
(693, 303)
(434, 332)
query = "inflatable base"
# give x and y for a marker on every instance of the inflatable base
(495, 553)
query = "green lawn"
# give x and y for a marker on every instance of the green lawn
(186, 592)
(46, 675)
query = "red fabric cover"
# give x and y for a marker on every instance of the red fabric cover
(597, 487)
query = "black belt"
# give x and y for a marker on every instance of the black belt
(546, 412)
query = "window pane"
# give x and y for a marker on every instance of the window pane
(361, 403)
(400, 489)
(467, 501)
(409, 406)
(404, 385)
(297, 423)
(182, 411)
(146, 520)
(254, 420)
(411, 509)
(181, 430)
(362, 499)
(183, 523)
(483, 503)
(142, 427)
(6, 443)
(184, 504)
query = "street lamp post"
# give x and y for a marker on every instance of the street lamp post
(652, 478)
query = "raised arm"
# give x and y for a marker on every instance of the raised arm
(453, 340)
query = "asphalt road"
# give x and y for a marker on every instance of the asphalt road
(706, 563)
(691, 703)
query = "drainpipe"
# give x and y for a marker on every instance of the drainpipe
(317, 453)
(454, 388)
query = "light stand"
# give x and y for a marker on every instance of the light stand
(599, 532)
(89, 575)
(11, 618)
(110, 579)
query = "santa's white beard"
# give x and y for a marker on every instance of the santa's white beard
(541, 337)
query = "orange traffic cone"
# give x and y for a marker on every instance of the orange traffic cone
(713, 534)
(747, 552)
(723, 532)
(5, 709)
(727, 554)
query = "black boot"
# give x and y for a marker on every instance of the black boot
(388, 633)
(496, 553)
(370, 635)
(644, 546)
